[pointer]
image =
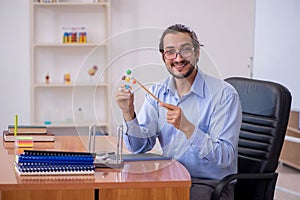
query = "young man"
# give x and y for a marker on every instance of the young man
(198, 122)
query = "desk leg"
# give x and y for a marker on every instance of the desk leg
(96, 195)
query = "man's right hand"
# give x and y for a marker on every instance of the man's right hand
(124, 98)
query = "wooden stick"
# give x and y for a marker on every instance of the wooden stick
(155, 97)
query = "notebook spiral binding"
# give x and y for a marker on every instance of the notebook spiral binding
(33, 162)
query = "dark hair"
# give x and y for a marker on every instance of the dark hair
(182, 29)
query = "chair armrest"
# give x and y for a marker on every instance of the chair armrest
(232, 177)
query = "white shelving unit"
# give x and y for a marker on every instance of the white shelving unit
(85, 100)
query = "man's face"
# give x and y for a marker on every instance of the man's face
(180, 66)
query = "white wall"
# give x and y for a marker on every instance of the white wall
(14, 66)
(226, 28)
(277, 44)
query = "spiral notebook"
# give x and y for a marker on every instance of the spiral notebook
(33, 162)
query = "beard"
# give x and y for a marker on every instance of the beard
(182, 76)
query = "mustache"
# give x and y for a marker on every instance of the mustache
(184, 62)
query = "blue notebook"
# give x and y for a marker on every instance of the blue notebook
(33, 162)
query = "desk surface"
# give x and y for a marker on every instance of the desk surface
(152, 174)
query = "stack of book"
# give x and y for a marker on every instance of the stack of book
(37, 133)
(34, 162)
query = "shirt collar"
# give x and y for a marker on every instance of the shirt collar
(197, 87)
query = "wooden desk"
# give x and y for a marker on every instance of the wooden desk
(145, 180)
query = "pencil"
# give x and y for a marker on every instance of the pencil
(16, 126)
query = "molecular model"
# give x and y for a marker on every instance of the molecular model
(128, 78)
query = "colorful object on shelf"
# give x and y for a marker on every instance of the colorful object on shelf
(48, 1)
(47, 78)
(66, 37)
(74, 35)
(47, 122)
(67, 78)
(92, 71)
(128, 78)
(82, 37)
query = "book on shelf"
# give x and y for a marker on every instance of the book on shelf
(43, 137)
(39, 162)
(28, 129)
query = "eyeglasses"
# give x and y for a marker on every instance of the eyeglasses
(184, 53)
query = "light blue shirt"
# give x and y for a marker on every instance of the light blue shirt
(213, 106)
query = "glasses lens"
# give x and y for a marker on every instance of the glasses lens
(184, 53)
(170, 54)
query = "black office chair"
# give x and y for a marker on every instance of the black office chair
(266, 108)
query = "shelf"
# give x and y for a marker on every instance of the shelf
(86, 99)
(62, 85)
(70, 125)
(59, 45)
(70, 4)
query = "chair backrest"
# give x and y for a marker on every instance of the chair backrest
(266, 108)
